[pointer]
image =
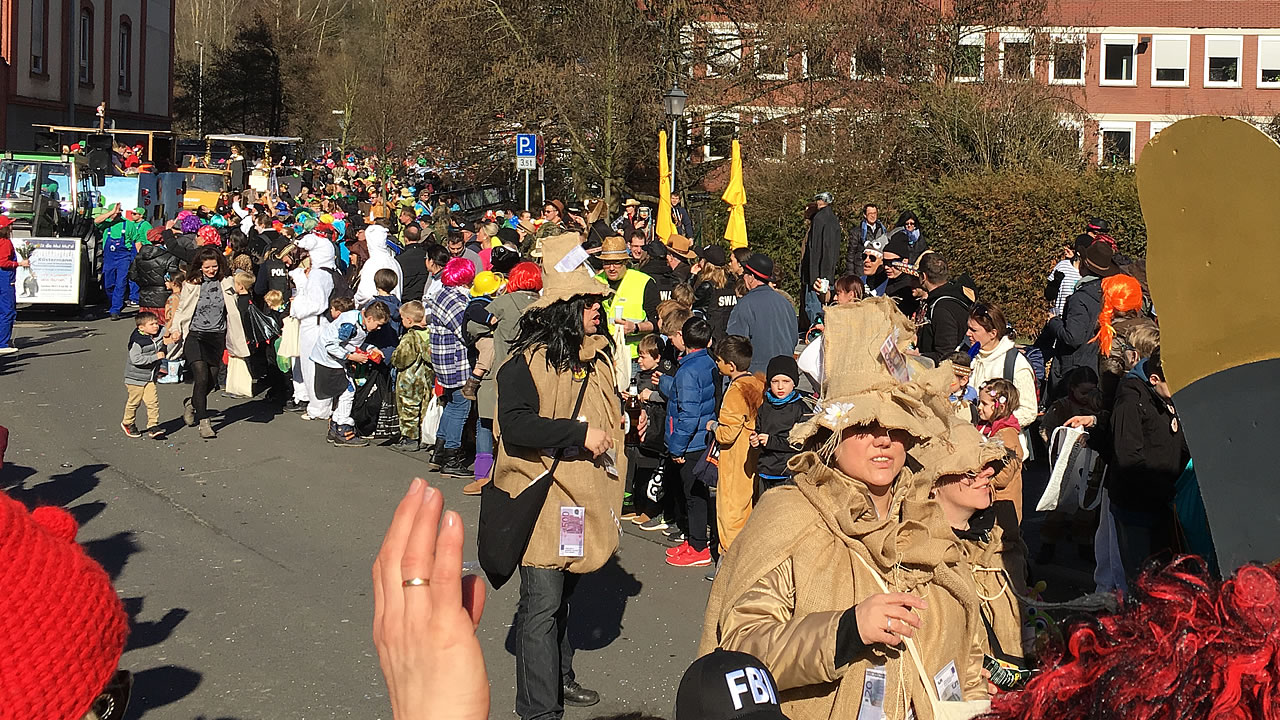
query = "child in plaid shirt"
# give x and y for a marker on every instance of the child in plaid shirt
(446, 315)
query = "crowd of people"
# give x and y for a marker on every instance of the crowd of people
(847, 464)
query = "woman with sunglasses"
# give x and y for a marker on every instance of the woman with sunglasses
(908, 228)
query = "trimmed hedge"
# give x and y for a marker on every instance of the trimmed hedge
(1002, 228)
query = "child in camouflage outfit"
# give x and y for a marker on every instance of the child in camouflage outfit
(416, 379)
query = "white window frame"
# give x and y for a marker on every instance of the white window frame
(688, 49)
(1109, 126)
(756, 47)
(804, 66)
(1084, 56)
(1103, 42)
(714, 48)
(830, 119)
(758, 120)
(1158, 125)
(853, 67)
(1273, 41)
(974, 39)
(1021, 38)
(1239, 41)
(706, 132)
(1078, 127)
(1186, 61)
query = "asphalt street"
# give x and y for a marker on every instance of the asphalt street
(244, 562)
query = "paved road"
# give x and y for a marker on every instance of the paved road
(244, 561)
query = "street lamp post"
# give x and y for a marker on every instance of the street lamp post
(200, 94)
(673, 101)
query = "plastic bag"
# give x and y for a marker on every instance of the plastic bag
(1072, 464)
(239, 381)
(431, 421)
(260, 327)
(289, 338)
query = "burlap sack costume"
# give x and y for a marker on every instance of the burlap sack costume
(994, 552)
(795, 569)
(580, 479)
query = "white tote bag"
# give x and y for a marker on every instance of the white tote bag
(1073, 462)
(431, 421)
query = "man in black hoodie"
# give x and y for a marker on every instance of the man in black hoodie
(1150, 455)
(151, 267)
(947, 310)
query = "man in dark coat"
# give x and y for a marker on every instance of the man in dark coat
(870, 231)
(151, 267)
(947, 310)
(413, 262)
(821, 253)
(1072, 332)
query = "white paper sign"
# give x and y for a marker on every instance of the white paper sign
(572, 259)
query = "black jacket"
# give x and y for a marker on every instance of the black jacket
(184, 246)
(413, 263)
(149, 267)
(821, 248)
(273, 274)
(1072, 333)
(715, 304)
(900, 289)
(948, 313)
(1150, 454)
(776, 421)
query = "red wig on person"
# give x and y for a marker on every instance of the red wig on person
(524, 276)
(1185, 646)
(1120, 293)
(459, 272)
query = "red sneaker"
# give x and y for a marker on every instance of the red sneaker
(679, 549)
(691, 558)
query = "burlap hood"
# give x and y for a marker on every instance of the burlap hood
(558, 285)
(960, 450)
(859, 388)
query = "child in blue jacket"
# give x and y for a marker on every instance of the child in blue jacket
(691, 406)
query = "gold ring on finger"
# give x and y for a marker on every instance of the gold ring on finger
(416, 582)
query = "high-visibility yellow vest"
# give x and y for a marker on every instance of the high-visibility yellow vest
(627, 303)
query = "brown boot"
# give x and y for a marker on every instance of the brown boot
(206, 430)
(473, 488)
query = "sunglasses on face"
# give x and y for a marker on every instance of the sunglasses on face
(909, 223)
(870, 258)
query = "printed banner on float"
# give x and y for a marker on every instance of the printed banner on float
(54, 275)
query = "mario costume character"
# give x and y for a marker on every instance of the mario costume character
(118, 250)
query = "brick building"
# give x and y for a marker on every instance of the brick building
(60, 58)
(1132, 66)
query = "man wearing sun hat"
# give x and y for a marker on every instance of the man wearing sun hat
(634, 303)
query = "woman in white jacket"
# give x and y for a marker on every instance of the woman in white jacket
(380, 258)
(312, 286)
(989, 330)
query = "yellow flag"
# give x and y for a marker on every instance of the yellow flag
(736, 196)
(666, 228)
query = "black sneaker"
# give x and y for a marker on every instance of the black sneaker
(131, 430)
(332, 435)
(294, 407)
(677, 538)
(347, 437)
(407, 445)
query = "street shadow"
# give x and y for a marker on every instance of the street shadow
(113, 552)
(144, 634)
(247, 409)
(11, 363)
(596, 608)
(159, 686)
(58, 336)
(61, 489)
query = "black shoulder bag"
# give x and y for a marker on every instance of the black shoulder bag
(506, 522)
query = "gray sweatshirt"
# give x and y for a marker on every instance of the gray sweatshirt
(143, 365)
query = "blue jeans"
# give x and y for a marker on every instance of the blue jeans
(544, 655)
(812, 307)
(484, 436)
(454, 417)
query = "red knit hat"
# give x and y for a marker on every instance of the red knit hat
(62, 627)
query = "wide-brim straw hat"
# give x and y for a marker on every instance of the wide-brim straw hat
(859, 389)
(963, 449)
(558, 285)
(614, 248)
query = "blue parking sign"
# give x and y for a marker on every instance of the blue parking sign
(526, 145)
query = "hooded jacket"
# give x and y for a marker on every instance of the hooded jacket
(150, 266)
(1073, 331)
(947, 309)
(691, 402)
(1150, 452)
(787, 592)
(380, 258)
(312, 289)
